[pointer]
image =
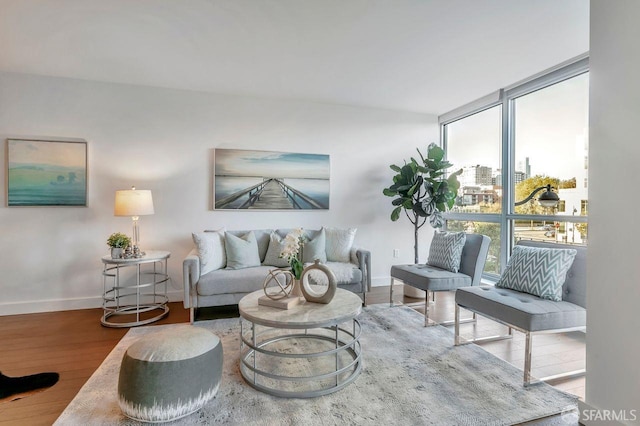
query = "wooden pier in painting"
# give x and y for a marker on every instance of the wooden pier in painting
(270, 194)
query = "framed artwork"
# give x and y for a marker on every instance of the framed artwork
(46, 173)
(267, 180)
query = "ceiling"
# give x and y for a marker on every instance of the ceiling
(425, 56)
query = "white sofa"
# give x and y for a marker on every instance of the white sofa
(223, 286)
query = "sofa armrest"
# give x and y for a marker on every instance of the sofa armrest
(363, 260)
(190, 277)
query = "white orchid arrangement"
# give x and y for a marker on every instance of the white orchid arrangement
(292, 251)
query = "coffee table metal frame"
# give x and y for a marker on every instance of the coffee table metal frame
(345, 340)
(146, 297)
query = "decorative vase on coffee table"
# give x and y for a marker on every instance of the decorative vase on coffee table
(297, 289)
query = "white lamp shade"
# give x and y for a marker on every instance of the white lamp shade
(133, 202)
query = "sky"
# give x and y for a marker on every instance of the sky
(43, 152)
(551, 128)
(236, 162)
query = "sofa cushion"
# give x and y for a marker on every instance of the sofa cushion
(314, 248)
(522, 310)
(537, 271)
(242, 252)
(446, 250)
(426, 277)
(272, 258)
(338, 243)
(225, 281)
(211, 251)
(262, 237)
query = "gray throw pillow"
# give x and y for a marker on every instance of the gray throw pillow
(272, 258)
(538, 271)
(446, 250)
(315, 249)
(242, 252)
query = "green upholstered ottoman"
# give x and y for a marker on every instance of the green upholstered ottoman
(169, 374)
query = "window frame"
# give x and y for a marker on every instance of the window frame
(507, 97)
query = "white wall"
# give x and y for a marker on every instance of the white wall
(613, 323)
(163, 140)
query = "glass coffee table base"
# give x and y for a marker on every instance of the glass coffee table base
(331, 354)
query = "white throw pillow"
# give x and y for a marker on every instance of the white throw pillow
(210, 245)
(272, 258)
(242, 252)
(338, 243)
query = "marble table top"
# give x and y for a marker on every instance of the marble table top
(150, 256)
(344, 306)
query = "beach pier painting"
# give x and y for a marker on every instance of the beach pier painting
(46, 173)
(267, 180)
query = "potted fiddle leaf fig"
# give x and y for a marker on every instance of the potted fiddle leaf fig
(118, 242)
(423, 191)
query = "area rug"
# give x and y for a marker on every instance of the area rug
(411, 375)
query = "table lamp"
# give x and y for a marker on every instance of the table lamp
(135, 203)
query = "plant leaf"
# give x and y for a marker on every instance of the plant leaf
(436, 220)
(435, 153)
(395, 214)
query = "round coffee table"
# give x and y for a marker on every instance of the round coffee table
(280, 344)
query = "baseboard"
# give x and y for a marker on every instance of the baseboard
(379, 281)
(53, 305)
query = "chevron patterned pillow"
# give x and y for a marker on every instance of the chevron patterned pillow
(538, 271)
(446, 250)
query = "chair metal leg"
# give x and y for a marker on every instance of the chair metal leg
(456, 340)
(391, 293)
(192, 314)
(426, 309)
(527, 358)
(527, 366)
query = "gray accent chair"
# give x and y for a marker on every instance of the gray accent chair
(432, 279)
(530, 314)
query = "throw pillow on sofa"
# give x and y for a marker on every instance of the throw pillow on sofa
(211, 250)
(538, 271)
(242, 252)
(338, 244)
(314, 248)
(445, 251)
(272, 258)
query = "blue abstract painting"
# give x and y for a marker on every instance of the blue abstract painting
(46, 173)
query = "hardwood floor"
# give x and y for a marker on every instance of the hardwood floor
(74, 344)
(552, 353)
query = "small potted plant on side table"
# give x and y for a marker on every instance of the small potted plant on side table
(118, 242)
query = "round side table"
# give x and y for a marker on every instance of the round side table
(146, 293)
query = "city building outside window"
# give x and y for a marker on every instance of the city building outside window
(509, 144)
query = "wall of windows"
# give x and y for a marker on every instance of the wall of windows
(513, 142)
